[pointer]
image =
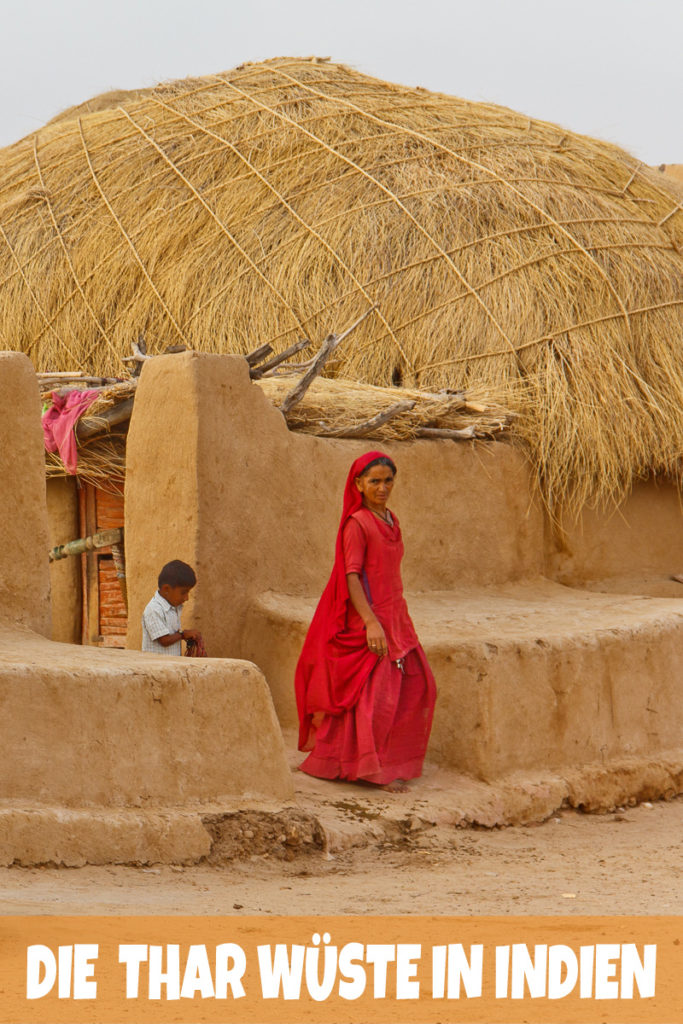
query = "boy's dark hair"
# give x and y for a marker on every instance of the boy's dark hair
(177, 574)
(383, 460)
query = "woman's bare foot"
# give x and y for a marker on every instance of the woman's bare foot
(397, 786)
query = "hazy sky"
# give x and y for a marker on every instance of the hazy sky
(609, 68)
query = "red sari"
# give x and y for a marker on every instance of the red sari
(363, 716)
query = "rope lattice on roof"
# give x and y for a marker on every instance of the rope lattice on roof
(262, 204)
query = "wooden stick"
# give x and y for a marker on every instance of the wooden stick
(119, 556)
(138, 355)
(356, 323)
(54, 374)
(316, 367)
(91, 426)
(363, 429)
(258, 371)
(258, 354)
(466, 434)
(62, 379)
(326, 349)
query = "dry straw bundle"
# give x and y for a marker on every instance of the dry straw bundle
(284, 199)
(341, 407)
(329, 408)
(102, 448)
(101, 462)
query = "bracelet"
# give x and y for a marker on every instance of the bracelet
(182, 634)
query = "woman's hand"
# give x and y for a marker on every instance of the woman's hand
(377, 641)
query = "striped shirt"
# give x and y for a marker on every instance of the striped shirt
(160, 619)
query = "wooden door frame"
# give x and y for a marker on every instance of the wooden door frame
(87, 521)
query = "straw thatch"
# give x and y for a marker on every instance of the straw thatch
(284, 199)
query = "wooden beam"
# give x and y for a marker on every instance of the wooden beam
(91, 426)
(258, 354)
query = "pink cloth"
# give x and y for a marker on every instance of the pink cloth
(60, 420)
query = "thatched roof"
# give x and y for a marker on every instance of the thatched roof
(283, 199)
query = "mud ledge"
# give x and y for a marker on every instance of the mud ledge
(329, 818)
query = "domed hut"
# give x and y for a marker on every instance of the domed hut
(487, 252)
(283, 199)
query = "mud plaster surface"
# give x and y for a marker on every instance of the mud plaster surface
(624, 862)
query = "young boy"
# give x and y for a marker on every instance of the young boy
(161, 630)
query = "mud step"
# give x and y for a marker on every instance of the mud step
(531, 675)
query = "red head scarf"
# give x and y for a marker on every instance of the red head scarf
(334, 662)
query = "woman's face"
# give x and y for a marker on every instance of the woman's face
(376, 485)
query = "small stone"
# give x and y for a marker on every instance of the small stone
(248, 833)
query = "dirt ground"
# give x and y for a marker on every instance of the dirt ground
(394, 862)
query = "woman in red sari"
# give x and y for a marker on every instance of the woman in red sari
(365, 692)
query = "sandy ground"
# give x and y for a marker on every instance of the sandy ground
(624, 862)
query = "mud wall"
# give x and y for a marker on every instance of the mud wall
(65, 575)
(108, 756)
(24, 577)
(255, 507)
(633, 549)
(215, 477)
(535, 672)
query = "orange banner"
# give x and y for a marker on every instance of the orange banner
(105, 970)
